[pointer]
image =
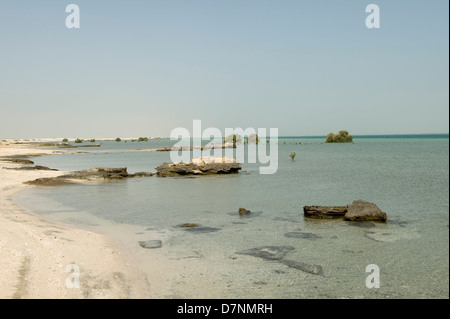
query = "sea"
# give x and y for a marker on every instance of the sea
(270, 252)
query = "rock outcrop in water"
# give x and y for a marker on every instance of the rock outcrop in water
(243, 211)
(325, 212)
(204, 166)
(94, 174)
(359, 210)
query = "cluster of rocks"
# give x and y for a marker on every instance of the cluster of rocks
(94, 174)
(204, 166)
(178, 148)
(359, 210)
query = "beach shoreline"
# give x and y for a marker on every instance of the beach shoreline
(37, 257)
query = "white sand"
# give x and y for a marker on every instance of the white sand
(34, 253)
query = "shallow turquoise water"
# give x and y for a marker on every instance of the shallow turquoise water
(408, 178)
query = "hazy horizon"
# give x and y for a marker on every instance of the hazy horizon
(140, 68)
(97, 138)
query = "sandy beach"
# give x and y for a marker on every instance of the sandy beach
(37, 256)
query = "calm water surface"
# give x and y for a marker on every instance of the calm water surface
(408, 178)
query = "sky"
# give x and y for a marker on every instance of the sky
(143, 68)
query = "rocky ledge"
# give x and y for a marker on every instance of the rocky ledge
(359, 210)
(94, 174)
(204, 166)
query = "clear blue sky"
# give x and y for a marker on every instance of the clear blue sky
(142, 68)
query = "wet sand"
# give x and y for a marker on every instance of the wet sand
(36, 256)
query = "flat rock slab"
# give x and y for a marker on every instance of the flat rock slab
(325, 212)
(151, 244)
(299, 234)
(184, 169)
(32, 168)
(359, 210)
(267, 252)
(94, 174)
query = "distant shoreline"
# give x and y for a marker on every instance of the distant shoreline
(87, 140)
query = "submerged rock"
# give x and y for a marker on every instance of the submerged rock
(311, 269)
(277, 253)
(267, 252)
(361, 210)
(202, 229)
(196, 228)
(150, 244)
(298, 234)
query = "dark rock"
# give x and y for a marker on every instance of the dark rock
(267, 252)
(22, 156)
(298, 234)
(32, 168)
(246, 216)
(324, 212)
(183, 169)
(51, 181)
(362, 224)
(18, 161)
(196, 228)
(361, 210)
(243, 211)
(188, 225)
(150, 244)
(101, 172)
(311, 269)
(284, 219)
